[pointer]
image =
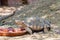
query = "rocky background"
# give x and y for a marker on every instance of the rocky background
(47, 9)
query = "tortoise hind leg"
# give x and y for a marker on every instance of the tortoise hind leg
(46, 28)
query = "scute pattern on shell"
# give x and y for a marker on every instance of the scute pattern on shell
(36, 23)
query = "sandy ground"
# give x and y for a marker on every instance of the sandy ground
(47, 9)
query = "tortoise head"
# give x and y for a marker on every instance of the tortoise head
(20, 23)
(23, 25)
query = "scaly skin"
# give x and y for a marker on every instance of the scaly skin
(21, 24)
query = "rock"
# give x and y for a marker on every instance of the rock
(6, 11)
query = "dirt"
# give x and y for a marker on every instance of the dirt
(47, 9)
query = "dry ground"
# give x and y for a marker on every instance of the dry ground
(48, 9)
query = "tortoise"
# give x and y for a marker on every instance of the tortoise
(34, 24)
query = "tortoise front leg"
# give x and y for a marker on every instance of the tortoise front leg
(28, 30)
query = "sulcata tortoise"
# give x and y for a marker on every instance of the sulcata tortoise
(34, 24)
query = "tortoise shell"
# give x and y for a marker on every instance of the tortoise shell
(36, 23)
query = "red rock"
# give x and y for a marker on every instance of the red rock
(16, 32)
